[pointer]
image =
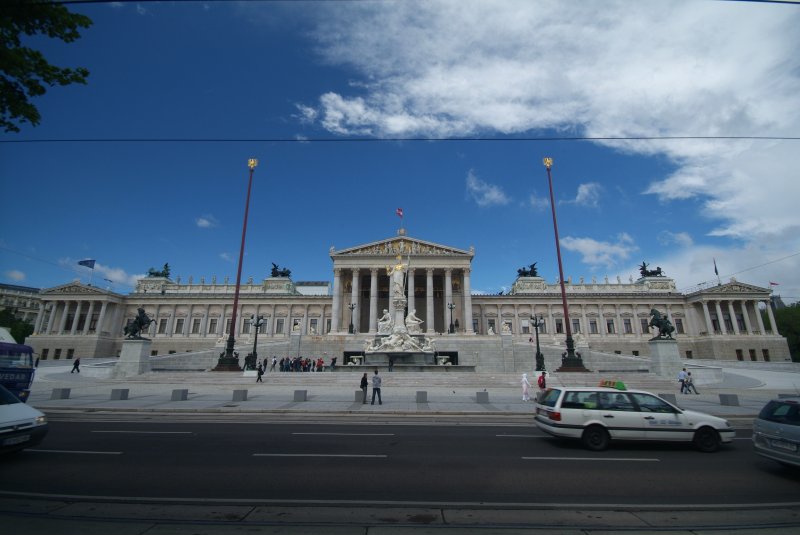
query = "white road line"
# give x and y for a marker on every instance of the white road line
(520, 436)
(318, 455)
(149, 432)
(78, 452)
(590, 459)
(350, 434)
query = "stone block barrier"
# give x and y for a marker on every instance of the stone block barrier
(119, 394)
(301, 395)
(422, 396)
(731, 400)
(482, 397)
(240, 395)
(360, 396)
(180, 394)
(60, 393)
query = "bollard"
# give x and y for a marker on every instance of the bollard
(360, 395)
(729, 399)
(482, 397)
(669, 397)
(301, 395)
(119, 394)
(240, 395)
(60, 393)
(422, 396)
(180, 394)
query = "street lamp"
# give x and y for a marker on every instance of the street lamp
(570, 362)
(352, 307)
(451, 306)
(227, 361)
(256, 322)
(538, 322)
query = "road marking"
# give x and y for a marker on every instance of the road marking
(150, 432)
(350, 434)
(629, 459)
(520, 436)
(319, 455)
(78, 452)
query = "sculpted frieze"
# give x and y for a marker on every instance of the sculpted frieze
(74, 289)
(401, 247)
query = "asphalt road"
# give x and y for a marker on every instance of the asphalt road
(412, 464)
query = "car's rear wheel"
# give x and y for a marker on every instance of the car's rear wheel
(707, 440)
(595, 438)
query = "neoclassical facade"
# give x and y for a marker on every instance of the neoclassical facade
(489, 332)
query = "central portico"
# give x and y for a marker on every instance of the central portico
(436, 275)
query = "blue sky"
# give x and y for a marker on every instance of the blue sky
(233, 75)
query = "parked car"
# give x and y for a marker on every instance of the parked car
(776, 431)
(21, 425)
(598, 415)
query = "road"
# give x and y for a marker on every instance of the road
(274, 462)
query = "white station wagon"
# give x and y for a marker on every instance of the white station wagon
(598, 415)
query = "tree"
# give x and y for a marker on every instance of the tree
(20, 329)
(788, 322)
(24, 72)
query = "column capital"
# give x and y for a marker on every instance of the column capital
(466, 270)
(337, 272)
(373, 271)
(429, 270)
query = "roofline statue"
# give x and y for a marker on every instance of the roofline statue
(650, 272)
(276, 272)
(530, 271)
(163, 273)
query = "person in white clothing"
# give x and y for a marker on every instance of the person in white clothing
(525, 386)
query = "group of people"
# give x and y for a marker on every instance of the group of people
(292, 364)
(541, 382)
(686, 382)
(376, 387)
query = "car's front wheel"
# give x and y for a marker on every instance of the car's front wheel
(595, 438)
(707, 440)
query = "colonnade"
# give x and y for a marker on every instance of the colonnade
(58, 312)
(729, 307)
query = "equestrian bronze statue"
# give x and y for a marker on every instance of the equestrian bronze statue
(139, 324)
(662, 323)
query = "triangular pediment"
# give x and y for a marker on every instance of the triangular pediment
(402, 245)
(733, 287)
(73, 288)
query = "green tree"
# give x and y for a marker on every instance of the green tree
(788, 321)
(24, 72)
(19, 329)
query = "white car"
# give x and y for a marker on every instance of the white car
(598, 415)
(776, 431)
(21, 425)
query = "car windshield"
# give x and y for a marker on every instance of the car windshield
(784, 412)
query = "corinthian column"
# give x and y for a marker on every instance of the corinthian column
(337, 300)
(467, 304)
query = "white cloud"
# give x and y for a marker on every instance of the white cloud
(616, 68)
(538, 203)
(682, 239)
(483, 193)
(596, 253)
(588, 194)
(15, 275)
(206, 221)
(225, 256)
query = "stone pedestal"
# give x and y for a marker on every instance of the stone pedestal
(665, 359)
(134, 359)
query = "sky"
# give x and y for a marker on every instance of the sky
(442, 108)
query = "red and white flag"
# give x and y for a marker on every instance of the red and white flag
(773, 283)
(399, 212)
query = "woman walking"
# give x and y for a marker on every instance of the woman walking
(525, 388)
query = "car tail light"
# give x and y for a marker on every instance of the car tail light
(555, 416)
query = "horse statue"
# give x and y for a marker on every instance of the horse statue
(276, 272)
(139, 324)
(650, 272)
(662, 323)
(163, 273)
(530, 271)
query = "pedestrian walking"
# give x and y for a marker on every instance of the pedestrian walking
(259, 373)
(76, 366)
(525, 388)
(376, 388)
(541, 381)
(364, 385)
(682, 379)
(688, 384)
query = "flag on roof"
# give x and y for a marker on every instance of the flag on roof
(715, 268)
(87, 263)
(399, 212)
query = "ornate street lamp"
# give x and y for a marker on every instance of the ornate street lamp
(451, 306)
(228, 362)
(570, 361)
(351, 306)
(538, 322)
(256, 322)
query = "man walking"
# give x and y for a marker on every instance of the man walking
(274, 362)
(376, 388)
(76, 366)
(259, 373)
(682, 379)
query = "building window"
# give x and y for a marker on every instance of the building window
(93, 323)
(740, 355)
(57, 354)
(626, 324)
(592, 326)
(765, 353)
(196, 326)
(715, 324)
(610, 327)
(679, 325)
(645, 328)
(752, 353)
(543, 326)
(576, 326)
(688, 354)
(153, 353)
(228, 326)
(526, 327)
(70, 353)
(313, 326)
(45, 352)
(635, 353)
(179, 326)
(162, 326)
(296, 325)
(475, 326)
(212, 326)
(327, 325)
(740, 322)
(279, 326)
(559, 326)
(246, 327)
